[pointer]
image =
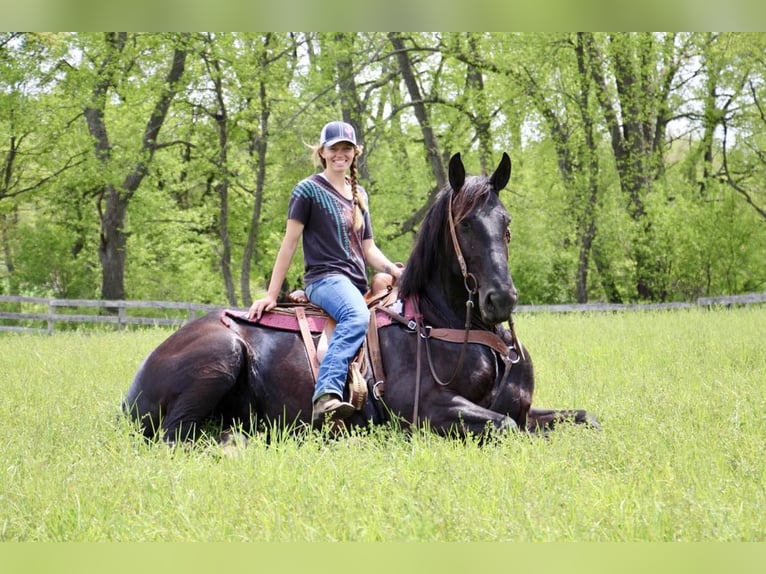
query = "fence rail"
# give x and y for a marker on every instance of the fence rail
(117, 313)
(721, 301)
(170, 313)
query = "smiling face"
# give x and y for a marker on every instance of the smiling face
(338, 157)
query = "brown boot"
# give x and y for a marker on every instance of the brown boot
(328, 408)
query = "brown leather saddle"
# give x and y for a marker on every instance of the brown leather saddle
(317, 327)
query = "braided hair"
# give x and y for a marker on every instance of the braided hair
(360, 203)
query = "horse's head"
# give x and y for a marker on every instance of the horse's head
(481, 236)
(462, 245)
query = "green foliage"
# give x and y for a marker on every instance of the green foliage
(171, 257)
(46, 266)
(689, 224)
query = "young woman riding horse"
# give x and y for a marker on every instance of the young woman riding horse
(330, 211)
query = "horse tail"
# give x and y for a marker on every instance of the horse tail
(248, 372)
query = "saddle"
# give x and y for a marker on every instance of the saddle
(299, 315)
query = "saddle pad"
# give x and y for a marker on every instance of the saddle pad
(283, 320)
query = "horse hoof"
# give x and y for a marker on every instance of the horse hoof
(592, 422)
(508, 424)
(230, 440)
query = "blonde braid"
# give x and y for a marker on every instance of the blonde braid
(360, 205)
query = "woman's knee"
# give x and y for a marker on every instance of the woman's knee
(357, 320)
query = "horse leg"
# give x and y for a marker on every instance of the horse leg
(185, 415)
(544, 420)
(458, 414)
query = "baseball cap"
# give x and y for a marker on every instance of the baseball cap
(335, 132)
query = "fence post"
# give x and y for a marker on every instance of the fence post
(51, 311)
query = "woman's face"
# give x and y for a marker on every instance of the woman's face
(338, 157)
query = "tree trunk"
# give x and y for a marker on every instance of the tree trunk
(113, 201)
(433, 154)
(112, 247)
(352, 107)
(220, 117)
(257, 151)
(482, 121)
(586, 221)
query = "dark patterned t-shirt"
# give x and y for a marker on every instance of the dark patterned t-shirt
(331, 246)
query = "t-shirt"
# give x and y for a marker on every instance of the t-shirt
(331, 245)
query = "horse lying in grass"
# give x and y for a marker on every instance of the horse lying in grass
(438, 355)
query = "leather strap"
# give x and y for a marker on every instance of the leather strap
(308, 341)
(480, 336)
(486, 338)
(376, 360)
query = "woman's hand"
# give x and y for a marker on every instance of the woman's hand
(267, 303)
(396, 271)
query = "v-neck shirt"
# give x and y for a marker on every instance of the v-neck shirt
(331, 245)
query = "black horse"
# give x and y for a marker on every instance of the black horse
(444, 358)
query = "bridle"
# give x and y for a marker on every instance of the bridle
(491, 339)
(471, 287)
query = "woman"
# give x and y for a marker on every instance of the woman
(329, 210)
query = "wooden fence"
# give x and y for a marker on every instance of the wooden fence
(40, 315)
(722, 301)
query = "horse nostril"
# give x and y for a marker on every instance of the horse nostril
(498, 301)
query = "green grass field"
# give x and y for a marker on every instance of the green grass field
(681, 397)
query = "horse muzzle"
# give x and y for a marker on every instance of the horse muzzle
(496, 305)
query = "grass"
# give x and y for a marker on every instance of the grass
(680, 395)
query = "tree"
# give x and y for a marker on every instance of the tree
(742, 116)
(271, 61)
(638, 158)
(417, 102)
(116, 59)
(34, 152)
(563, 95)
(636, 108)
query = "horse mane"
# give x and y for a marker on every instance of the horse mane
(433, 242)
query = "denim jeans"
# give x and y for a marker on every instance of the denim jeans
(345, 303)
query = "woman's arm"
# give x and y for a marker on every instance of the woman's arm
(293, 232)
(378, 261)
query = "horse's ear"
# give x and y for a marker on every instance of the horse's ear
(502, 174)
(456, 173)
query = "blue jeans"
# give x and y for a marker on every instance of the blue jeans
(345, 303)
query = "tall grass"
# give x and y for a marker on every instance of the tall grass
(681, 396)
